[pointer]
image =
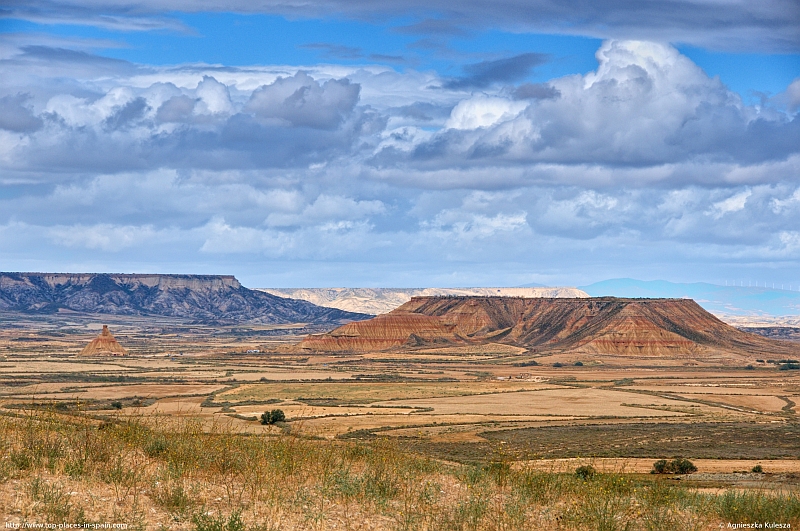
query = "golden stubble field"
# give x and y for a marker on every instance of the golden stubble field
(454, 403)
(169, 437)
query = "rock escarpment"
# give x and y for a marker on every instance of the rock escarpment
(104, 345)
(604, 325)
(202, 298)
(377, 301)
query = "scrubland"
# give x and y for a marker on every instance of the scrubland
(150, 474)
(169, 437)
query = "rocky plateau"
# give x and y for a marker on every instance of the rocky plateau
(201, 298)
(677, 328)
(377, 301)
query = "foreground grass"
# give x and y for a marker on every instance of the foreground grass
(152, 473)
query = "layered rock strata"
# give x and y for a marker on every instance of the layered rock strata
(377, 301)
(202, 298)
(604, 325)
(104, 345)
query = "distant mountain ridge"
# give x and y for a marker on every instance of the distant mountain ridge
(720, 300)
(204, 298)
(378, 301)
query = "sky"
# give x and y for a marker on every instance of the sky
(402, 144)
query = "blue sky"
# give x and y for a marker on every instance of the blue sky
(415, 144)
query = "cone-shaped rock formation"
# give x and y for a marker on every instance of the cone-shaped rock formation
(104, 345)
(604, 325)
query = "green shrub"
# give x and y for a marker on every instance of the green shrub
(156, 447)
(758, 469)
(204, 522)
(557, 364)
(676, 466)
(116, 404)
(585, 472)
(20, 460)
(272, 417)
(660, 467)
(683, 466)
(579, 364)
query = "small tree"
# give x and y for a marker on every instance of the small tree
(271, 417)
(683, 466)
(659, 467)
(676, 466)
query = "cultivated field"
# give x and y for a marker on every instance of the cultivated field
(444, 425)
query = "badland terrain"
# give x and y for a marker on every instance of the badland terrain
(204, 298)
(448, 412)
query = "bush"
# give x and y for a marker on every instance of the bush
(557, 364)
(271, 417)
(683, 466)
(660, 467)
(156, 447)
(204, 522)
(579, 364)
(758, 469)
(116, 404)
(676, 466)
(585, 472)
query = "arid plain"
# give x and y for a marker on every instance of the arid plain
(459, 404)
(480, 436)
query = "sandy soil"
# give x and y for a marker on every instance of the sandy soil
(583, 402)
(331, 426)
(137, 390)
(759, 402)
(373, 391)
(643, 466)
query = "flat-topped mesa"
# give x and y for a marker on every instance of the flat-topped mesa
(130, 280)
(378, 301)
(104, 345)
(203, 298)
(601, 325)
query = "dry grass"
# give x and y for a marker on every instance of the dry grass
(155, 475)
(367, 392)
(550, 401)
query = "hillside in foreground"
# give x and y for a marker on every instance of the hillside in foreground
(203, 298)
(606, 325)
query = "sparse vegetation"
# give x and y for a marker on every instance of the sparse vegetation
(585, 472)
(179, 475)
(392, 448)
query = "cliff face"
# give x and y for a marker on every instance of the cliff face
(643, 327)
(377, 301)
(207, 298)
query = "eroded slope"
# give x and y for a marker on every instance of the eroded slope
(605, 325)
